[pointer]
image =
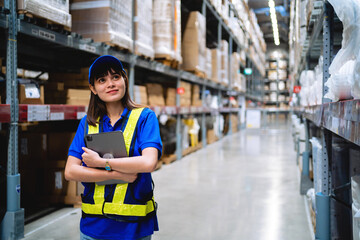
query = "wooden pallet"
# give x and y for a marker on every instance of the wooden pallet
(43, 22)
(198, 73)
(167, 159)
(171, 63)
(191, 149)
(117, 47)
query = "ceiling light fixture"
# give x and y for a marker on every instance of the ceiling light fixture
(274, 22)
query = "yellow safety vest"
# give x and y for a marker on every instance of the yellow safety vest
(117, 209)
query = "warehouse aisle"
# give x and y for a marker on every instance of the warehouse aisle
(243, 187)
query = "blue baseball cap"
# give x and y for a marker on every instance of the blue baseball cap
(104, 60)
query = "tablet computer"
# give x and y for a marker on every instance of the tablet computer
(108, 145)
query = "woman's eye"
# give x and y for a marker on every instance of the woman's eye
(116, 77)
(101, 80)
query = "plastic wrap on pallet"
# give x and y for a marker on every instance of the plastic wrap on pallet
(144, 28)
(56, 11)
(194, 43)
(344, 81)
(306, 80)
(355, 190)
(317, 157)
(356, 222)
(235, 70)
(224, 76)
(167, 29)
(208, 64)
(104, 21)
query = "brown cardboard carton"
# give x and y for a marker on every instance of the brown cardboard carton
(140, 95)
(215, 65)
(194, 43)
(170, 97)
(111, 23)
(31, 94)
(155, 94)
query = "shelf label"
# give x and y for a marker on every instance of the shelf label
(38, 113)
(57, 116)
(88, 48)
(180, 90)
(32, 91)
(297, 89)
(47, 35)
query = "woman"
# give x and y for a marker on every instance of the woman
(117, 211)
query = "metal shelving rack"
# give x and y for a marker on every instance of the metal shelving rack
(331, 120)
(66, 51)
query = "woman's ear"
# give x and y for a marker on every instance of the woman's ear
(92, 88)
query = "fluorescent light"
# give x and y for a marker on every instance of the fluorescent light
(274, 22)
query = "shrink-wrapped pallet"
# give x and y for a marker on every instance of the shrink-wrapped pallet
(208, 64)
(144, 28)
(104, 21)
(53, 10)
(194, 43)
(224, 71)
(235, 69)
(167, 29)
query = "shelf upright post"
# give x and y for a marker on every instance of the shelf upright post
(323, 198)
(12, 225)
(203, 96)
(230, 80)
(178, 121)
(328, 35)
(133, 57)
(305, 182)
(219, 75)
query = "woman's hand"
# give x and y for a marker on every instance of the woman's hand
(92, 158)
(127, 177)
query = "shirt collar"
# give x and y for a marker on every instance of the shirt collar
(106, 119)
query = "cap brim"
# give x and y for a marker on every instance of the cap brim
(102, 60)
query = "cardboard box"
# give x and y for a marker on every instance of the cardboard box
(224, 71)
(111, 22)
(140, 95)
(155, 94)
(54, 10)
(170, 97)
(215, 65)
(77, 96)
(194, 43)
(30, 93)
(196, 98)
(210, 136)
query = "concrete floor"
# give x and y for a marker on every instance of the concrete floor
(245, 186)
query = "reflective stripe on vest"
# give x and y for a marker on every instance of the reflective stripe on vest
(117, 206)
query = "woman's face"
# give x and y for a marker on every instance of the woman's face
(110, 88)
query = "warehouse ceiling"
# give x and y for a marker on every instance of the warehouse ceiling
(261, 8)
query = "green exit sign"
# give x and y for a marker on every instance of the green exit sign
(248, 71)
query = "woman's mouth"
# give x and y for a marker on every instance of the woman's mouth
(112, 91)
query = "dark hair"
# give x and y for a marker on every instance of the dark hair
(97, 107)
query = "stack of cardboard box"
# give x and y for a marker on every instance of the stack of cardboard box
(167, 29)
(170, 97)
(194, 44)
(155, 94)
(140, 95)
(196, 98)
(144, 28)
(215, 65)
(185, 98)
(104, 21)
(53, 10)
